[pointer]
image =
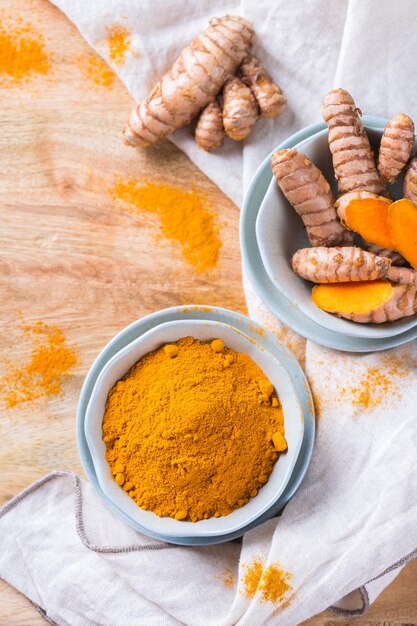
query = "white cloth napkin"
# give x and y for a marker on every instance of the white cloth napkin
(354, 517)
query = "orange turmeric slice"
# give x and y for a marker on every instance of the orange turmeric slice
(403, 228)
(367, 215)
(373, 302)
(350, 298)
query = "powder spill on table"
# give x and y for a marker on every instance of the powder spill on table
(43, 375)
(95, 69)
(185, 217)
(23, 53)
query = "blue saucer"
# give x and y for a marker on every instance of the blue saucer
(265, 339)
(253, 266)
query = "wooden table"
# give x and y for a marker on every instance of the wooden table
(69, 256)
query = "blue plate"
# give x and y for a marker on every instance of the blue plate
(283, 309)
(265, 339)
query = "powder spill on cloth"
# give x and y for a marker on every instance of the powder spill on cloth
(118, 41)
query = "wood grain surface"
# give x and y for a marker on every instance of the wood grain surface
(70, 256)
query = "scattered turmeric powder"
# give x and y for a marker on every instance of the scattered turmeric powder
(370, 387)
(252, 577)
(192, 433)
(43, 376)
(95, 69)
(184, 215)
(22, 52)
(378, 383)
(119, 42)
(272, 582)
(228, 578)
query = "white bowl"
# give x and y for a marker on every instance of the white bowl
(117, 367)
(280, 232)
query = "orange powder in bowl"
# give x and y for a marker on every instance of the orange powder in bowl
(193, 430)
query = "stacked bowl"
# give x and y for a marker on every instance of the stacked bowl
(241, 334)
(270, 233)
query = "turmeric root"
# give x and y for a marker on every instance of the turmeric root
(308, 191)
(410, 181)
(269, 97)
(402, 222)
(396, 145)
(366, 214)
(338, 265)
(353, 159)
(367, 302)
(395, 257)
(194, 81)
(240, 110)
(402, 275)
(209, 132)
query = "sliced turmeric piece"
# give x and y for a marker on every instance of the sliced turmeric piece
(366, 214)
(403, 228)
(376, 301)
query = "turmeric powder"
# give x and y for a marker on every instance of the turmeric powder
(22, 52)
(50, 364)
(95, 69)
(119, 43)
(378, 384)
(184, 215)
(228, 578)
(272, 582)
(193, 431)
(252, 577)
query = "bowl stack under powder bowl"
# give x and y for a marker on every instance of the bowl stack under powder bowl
(270, 233)
(240, 334)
